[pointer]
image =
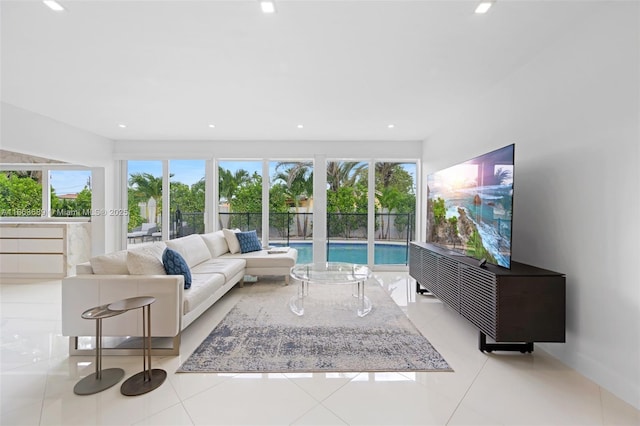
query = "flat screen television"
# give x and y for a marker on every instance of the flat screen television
(470, 205)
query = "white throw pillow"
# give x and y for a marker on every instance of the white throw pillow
(110, 264)
(144, 263)
(232, 241)
(216, 242)
(156, 249)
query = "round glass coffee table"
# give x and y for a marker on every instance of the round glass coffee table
(330, 273)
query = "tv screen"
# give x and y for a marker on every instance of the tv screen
(469, 207)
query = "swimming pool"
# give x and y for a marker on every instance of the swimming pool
(384, 254)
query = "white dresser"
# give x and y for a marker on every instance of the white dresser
(43, 249)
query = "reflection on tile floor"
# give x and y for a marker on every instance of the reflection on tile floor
(37, 377)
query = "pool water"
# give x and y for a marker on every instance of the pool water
(384, 254)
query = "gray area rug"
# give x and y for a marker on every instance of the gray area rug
(261, 334)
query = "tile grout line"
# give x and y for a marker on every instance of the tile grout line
(467, 391)
(601, 404)
(320, 402)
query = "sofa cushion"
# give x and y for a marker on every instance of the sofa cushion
(143, 263)
(232, 241)
(174, 264)
(227, 267)
(202, 287)
(192, 248)
(262, 259)
(249, 241)
(110, 264)
(216, 242)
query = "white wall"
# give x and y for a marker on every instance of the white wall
(30, 133)
(574, 116)
(158, 150)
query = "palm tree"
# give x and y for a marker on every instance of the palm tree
(298, 178)
(501, 176)
(146, 186)
(230, 182)
(385, 172)
(343, 173)
(393, 191)
(390, 199)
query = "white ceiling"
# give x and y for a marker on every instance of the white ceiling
(343, 69)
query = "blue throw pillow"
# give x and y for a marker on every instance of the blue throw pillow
(175, 264)
(248, 241)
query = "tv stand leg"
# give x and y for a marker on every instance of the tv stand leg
(490, 347)
(422, 290)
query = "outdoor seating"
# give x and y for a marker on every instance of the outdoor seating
(143, 232)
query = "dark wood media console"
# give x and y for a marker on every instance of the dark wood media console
(515, 307)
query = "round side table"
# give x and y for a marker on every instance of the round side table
(102, 379)
(148, 379)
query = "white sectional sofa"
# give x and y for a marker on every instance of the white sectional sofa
(139, 271)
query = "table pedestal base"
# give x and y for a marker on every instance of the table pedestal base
(143, 382)
(94, 384)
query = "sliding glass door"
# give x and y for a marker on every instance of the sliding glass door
(369, 205)
(240, 195)
(186, 197)
(395, 207)
(347, 211)
(144, 197)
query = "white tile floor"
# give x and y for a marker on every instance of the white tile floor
(37, 377)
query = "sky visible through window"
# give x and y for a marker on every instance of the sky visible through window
(69, 181)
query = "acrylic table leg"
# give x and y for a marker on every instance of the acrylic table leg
(364, 304)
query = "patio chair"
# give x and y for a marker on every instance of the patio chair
(143, 232)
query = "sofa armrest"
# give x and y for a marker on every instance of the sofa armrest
(84, 268)
(82, 292)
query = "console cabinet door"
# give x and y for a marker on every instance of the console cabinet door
(449, 282)
(415, 262)
(423, 266)
(478, 298)
(430, 271)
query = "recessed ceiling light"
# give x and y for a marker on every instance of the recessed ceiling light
(391, 126)
(267, 6)
(300, 126)
(484, 6)
(122, 126)
(53, 5)
(212, 125)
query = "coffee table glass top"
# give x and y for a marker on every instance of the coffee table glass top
(331, 272)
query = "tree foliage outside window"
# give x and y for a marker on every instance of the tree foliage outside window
(64, 207)
(142, 188)
(297, 178)
(230, 182)
(20, 195)
(247, 204)
(395, 199)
